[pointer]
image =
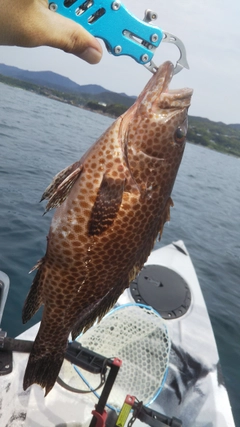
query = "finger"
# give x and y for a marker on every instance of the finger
(71, 37)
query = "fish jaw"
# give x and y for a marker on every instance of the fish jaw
(156, 94)
(155, 130)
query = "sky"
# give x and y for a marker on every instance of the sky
(210, 31)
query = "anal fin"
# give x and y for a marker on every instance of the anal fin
(100, 308)
(61, 185)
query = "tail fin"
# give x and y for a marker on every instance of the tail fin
(45, 360)
(43, 370)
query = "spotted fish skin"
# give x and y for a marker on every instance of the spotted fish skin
(111, 206)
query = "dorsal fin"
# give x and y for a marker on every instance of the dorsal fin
(107, 204)
(34, 298)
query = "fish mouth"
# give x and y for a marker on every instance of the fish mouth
(176, 98)
(163, 76)
(157, 94)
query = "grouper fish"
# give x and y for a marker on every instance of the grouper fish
(111, 206)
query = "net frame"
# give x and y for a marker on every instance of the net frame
(138, 335)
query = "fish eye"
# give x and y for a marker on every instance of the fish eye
(180, 135)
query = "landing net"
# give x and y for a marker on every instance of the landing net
(138, 336)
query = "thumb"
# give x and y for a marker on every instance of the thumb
(71, 37)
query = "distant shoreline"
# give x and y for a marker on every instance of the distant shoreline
(83, 107)
(201, 131)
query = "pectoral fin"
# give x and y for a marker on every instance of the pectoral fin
(106, 206)
(165, 216)
(61, 185)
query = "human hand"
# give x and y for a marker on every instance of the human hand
(30, 23)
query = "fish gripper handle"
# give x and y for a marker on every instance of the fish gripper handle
(122, 32)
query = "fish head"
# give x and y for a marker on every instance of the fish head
(156, 127)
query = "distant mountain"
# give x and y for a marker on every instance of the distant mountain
(235, 126)
(215, 135)
(55, 81)
(50, 80)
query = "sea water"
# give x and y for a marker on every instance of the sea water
(40, 136)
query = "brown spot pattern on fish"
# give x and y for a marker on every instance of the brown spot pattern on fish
(112, 205)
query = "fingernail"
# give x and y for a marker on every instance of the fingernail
(91, 55)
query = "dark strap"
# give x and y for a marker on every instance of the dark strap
(76, 390)
(13, 344)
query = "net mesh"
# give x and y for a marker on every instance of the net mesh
(138, 336)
